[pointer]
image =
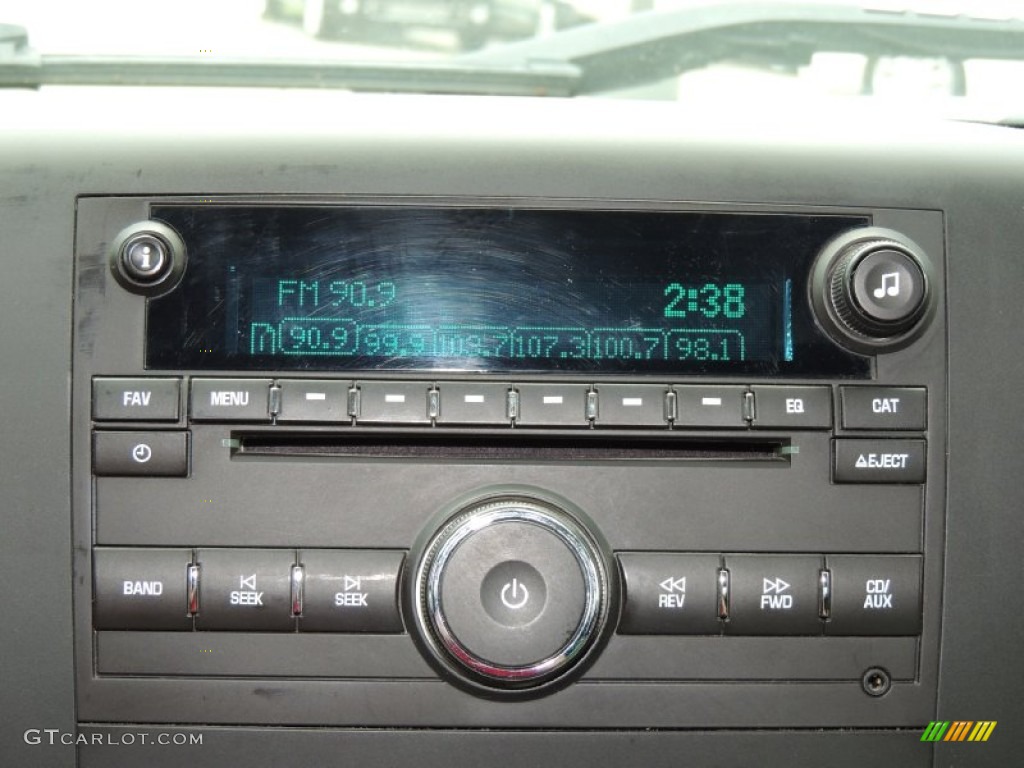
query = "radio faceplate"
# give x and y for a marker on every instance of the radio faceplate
(775, 528)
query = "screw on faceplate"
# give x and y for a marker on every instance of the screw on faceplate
(876, 682)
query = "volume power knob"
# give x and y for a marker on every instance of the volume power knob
(872, 293)
(511, 594)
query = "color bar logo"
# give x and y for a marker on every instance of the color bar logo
(958, 730)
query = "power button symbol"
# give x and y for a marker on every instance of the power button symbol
(514, 594)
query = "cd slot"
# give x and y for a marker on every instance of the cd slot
(508, 447)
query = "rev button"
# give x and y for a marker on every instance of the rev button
(669, 594)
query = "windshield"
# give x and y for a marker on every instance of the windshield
(910, 54)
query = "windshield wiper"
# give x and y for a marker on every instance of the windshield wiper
(21, 67)
(655, 45)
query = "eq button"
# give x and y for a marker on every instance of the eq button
(792, 407)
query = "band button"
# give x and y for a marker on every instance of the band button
(140, 588)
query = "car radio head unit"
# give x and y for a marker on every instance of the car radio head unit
(647, 464)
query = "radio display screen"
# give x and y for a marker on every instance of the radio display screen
(396, 288)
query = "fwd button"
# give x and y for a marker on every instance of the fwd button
(773, 595)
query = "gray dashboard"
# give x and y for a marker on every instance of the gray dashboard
(77, 165)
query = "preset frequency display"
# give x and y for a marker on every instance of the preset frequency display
(484, 289)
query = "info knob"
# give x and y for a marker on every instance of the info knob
(511, 593)
(871, 290)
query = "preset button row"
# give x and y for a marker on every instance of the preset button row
(122, 398)
(674, 593)
(312, 590)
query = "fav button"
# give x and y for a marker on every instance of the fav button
(116, 398)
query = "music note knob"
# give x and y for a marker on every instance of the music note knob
(871, 290)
